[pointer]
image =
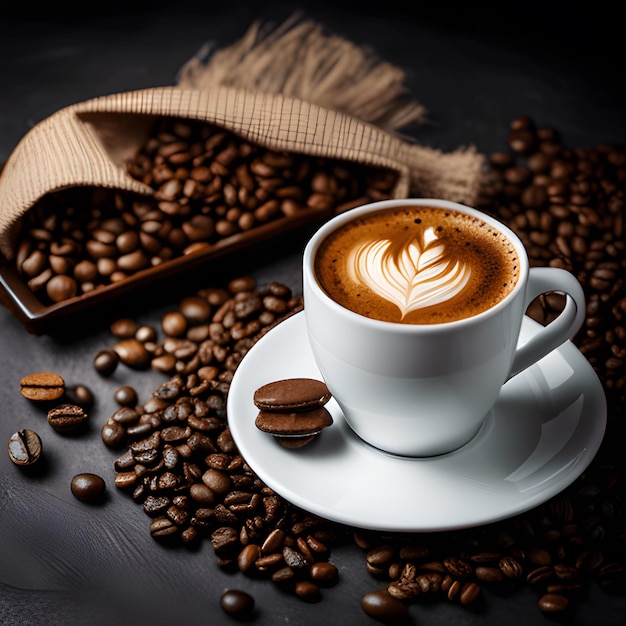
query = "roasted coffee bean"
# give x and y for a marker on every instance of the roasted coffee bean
(80, 395)
(87, 487)
(163, 527)
(126, 416)
(469, 593)
(540, 575)
(61, 287)
(126, 479)
(380, 556)
(307, 591)
(457, 567)
(552, 603)
(106, 362)
(66, 417)
(488, 574)
(324, 573)
(379, 605)
(174, 324)
(113, 434)
(510, 567)
(195, 309)
(132, 353)
(248, 557)
(237, 603)
(126, 396)
(124, 328)
(42, 386)
(589, 560)
(25, 447)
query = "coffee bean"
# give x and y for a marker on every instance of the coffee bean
(61, 287)
(552, 603)
(510, 567)
(132, 353)
(66, 417)
(146, 334)
(379, 605)
(195, 309)
(219, 482)
(163, 527)
(174, 324)
(469, 593)
(42, 386)
(237, 603)
(489, 574)
(80, 395)
(87, 487)
(248, 557)
(124, 328)
(113, 434)
(324, 573)
(106, 362)
(25, 447)
(126, 396)
(540, 575)
(307, 591)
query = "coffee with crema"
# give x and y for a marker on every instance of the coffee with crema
(417, 265)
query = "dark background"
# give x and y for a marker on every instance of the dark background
(475, 67)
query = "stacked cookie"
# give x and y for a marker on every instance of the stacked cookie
(292, 410)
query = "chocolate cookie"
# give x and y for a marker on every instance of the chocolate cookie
(294, 424)
(292, 410)
(291, 395)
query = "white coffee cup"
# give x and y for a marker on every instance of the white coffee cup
(425, 389)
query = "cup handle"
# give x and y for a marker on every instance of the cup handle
(563, 327)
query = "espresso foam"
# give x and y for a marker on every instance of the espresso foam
(417, 265)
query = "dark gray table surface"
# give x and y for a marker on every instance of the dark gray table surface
(474, 68)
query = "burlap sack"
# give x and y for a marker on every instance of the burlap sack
(249, 90)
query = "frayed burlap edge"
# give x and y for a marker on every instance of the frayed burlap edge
(302, 59)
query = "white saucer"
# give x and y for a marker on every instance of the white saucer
(544, 430)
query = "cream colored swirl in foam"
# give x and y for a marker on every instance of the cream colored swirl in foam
(412, 275)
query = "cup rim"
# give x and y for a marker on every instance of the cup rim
(337, 221)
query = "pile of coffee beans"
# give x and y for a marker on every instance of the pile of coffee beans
(180, 462)
(208, 185)
(557, 550)
(569, 207)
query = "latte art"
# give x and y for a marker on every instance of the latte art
(417, 265)
(412, 275)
